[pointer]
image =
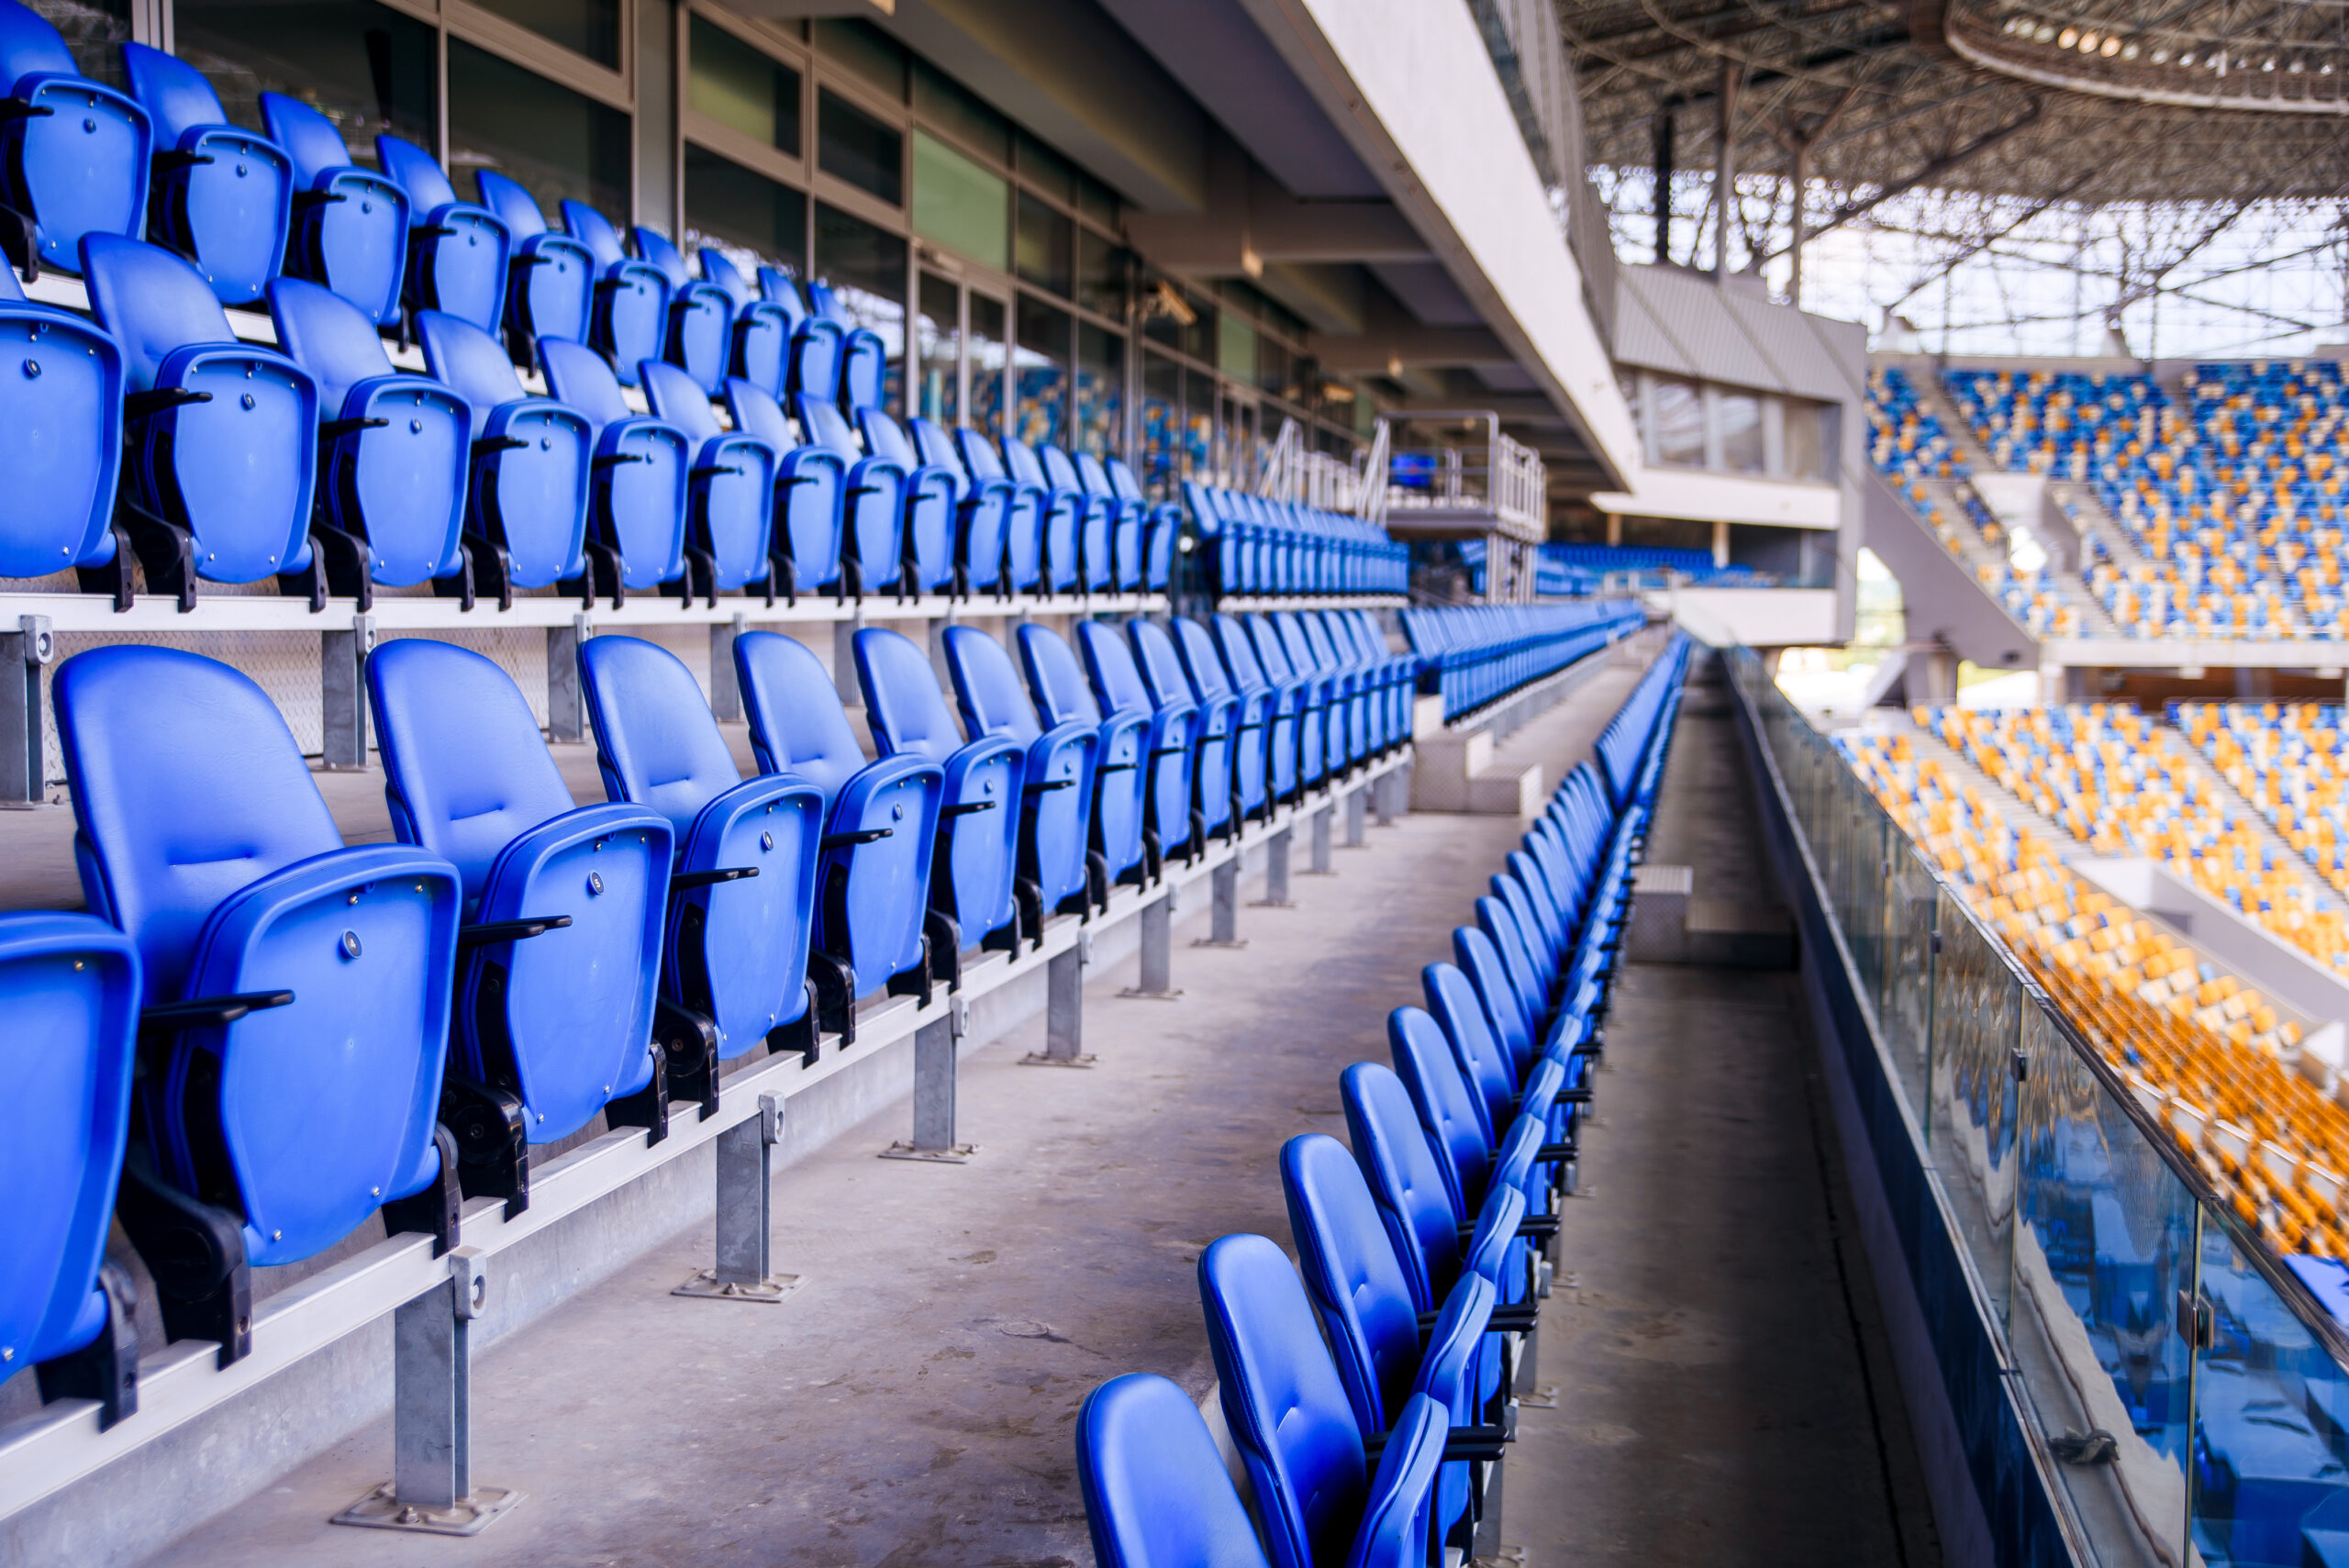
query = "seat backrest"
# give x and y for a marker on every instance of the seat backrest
(825, 426)
(1504, 1004)
(1061, 691)
(1116, 680)
(309, 138)
(29, 46)
(796, 723)
(187, 785)
(152, 301)
(1265, 639)
(884, 437)
(902, 700)
(468, 359)
(1200, 660)
(720, 269)
(513, 204)
(1405, 1177)
(1019, 462)
(980, 458)
(986, 686)
(1156, 1493)
(1453, 1002)
(418, 173)
(175, 94)
(655, 737)
(677, 397)
(1238, 651)
(936, 444)
(653, 246)
(327, 335)
(755, 412)
(1122, 484)
(465, 770)
(781, 288)
(1058, 471)
(1283, 1401)
(593, 230)
(1160, 666)
(1092, 476)
(1351, 1274)
(1447, 1108)
(580, 376)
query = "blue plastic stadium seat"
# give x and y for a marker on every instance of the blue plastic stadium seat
(928, 497)
(758, 348)
(1120, 760)
(349, 224)
(201, 835)
(982, 510)
(558, 968)
(393, 448)
(552, 277)
(1169, 739)
(818, 344)
(630, 321)
(1310, 693)
(457, 252)
(641, 473)
(729, 497)
(69, 1003)
(873, 530)
(1063, 516)
(1056, 777)
(880, 822)
(1214, 719)
(1156, 1493)
(973, 872)
(1097, 519)
(74, 154)
(223, 435)
(531, 458)
(1128, 519)
(61, 439)
(1024, 516)
(1212, 686)
(1282, 703)
(1162, 526)
(700, 337)
(218, 195)
(863, 357)
(810, 493)
(742, 894)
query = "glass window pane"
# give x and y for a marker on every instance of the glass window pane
(859, 149)
(1678, 418)
(988, 355)
(738, 207)
(866, 52)
(1199, 424)
(560, 144)
(1161, 307)
(1276, 370)
(366, 67)
(866, 267)
(1741, 417)
(1235, 350)
(1039, 373)
(591, 27)
(1162, 425)
(1802, 440)
(1046, 170)
(742, 86)
(937, 341)
(1100, 274)
(1971, 1126)
(1045, 240)
(1100, 390)
(92, 31)
(1096, 200)
(954, 109)
(960, 204)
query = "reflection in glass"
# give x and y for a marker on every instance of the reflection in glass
(743, 87)
(851, 145)
(1677, 416)
(366, 67)
(1100, 390)
(1802, 440)
(960, 204)
(1039, 373)
(989, 356)
(1198, 454)
(866, 267)
(938, 344)
(1045, 243)
(948, 105)
(1740, 419)
(866, 52)
(591, 27)
(562, 145)
(94, 31)
(1046, 170)
(1977, 1010)
(1161, 425)
(1100, 274)
(741, 209)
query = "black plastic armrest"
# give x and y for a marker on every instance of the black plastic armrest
(857, 835)
(686, 879)
(147, 405)
(1172, 752)
(1578, 1095)
(305, 199)
(208, 1012)
(1514, 1320)
(18, 109)
(172, 161)
(613, 460)
(711, 471)
(1476, 1443)
(1048, 786)
(1116, 768)
(484, 932)
(1551, 1153)
(335, 430)
(489, 444)
(965, 807)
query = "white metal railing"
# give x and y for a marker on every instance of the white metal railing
(1291, 471)
(1479, 472)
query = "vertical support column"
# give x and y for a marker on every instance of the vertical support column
(934, 1053)
(1223, 908)
(22, 654)
(1277, 870)
(725, 690)
(1382, 798)
(566, 700)
(844, 660)
(1157, 956)
(1357, 810)
(1323, 820)
(746, 1214)
(1064, 1008)
(432, 1490)
(342, 698)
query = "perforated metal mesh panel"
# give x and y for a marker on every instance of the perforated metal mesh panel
(282, 663)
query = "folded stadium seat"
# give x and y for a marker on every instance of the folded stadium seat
(1288, 1412)
(1252, 717)
(758, 346)
(1396, 675)
(1162, 526)
(457, 252)
(1333, 647)
(223, 435)
(349, 224)
(1055, 776)
(880, 822)
(1214, 719)
(1063, 516)
(559, 967)
(60, 443)
(873, 529)
(1518, 1029)
(201, 835)
(550, 279)
(1096, 520)
(742, 886)
(1024, 516)
(930, 491)
(973, 872)
(1169, 742)
(531, 462)
(818, 345)
(1536, 986)
(217, 193)
(1309, 692)
(1129, 518)
(1120, 763)
(1221, 546)
(393, 448)
(1343, 743)
(628, 322)
(729, 490)
(811, 493)
(700, 335)
(69, 991)
(1451, 1111)
(864, 358)
(1157, 1494)
(983, 512)
(1451, 1000)
(639, 475)
(74, 154)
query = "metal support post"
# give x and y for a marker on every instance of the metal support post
(566, 699)
(1157, 952)
(725, 691)
(342, 695)
(934, 1052)
(432, 1490)
(1277, 871)
(1223, 910)
(1064, 1008)
(1322, 821)
(844, 680)
(23, 779)
(1357, 809)
(746, 1215)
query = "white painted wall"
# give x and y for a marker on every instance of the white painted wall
(1759, 617)
(1724, 497)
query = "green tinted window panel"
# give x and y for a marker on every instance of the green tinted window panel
(743, 87)
(591, 27)
(959, 204)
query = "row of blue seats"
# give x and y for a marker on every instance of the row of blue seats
(1367, 1399)
(1262, 548)
(516, 965)
(1477, 653)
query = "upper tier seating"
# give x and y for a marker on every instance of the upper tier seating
(349, 224)
(2287, 760)
(74, 154)
(218, 195)
(641, 475)
(457, 252)
(1477, 653)
(1055, 779)
(550, 280)
(1259, 548)
(60, 439)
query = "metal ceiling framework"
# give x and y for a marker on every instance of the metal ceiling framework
(2011, 175)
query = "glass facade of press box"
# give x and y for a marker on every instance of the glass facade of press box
(991, 264)
(1726, 430)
